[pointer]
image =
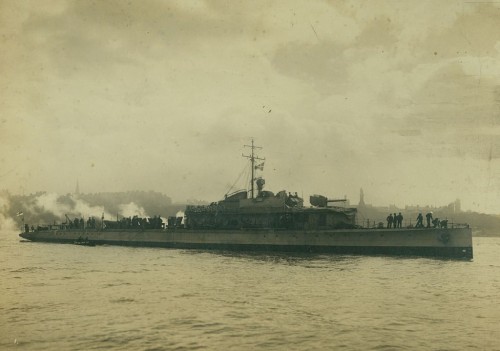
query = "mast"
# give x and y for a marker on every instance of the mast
(252, 158)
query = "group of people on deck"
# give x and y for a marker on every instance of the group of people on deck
(420, 220)
(395, 221)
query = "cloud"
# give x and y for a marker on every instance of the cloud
(322, 65)
(128, 95)
(454, 109)
(472, 33)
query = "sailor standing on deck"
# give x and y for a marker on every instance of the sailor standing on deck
(428, 216)
(390, 219)
(400, 220)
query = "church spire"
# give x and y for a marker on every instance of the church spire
(361, 197)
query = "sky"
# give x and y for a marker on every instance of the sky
(400, 98)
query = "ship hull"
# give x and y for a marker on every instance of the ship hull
(447, 243)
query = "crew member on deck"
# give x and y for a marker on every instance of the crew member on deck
(400, 220)
(390, 219)
(428, 216)
(420, 219)
(435, 222)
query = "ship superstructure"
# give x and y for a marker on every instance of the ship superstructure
(259, 208)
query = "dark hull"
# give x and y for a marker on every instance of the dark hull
(447, 243)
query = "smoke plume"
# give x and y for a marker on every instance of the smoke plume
(7, 223)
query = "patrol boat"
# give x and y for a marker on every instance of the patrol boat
(259, 220)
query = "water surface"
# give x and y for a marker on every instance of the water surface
(71, 297)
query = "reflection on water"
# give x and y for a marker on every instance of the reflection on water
(81, 298)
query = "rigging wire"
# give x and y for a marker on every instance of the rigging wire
(237, 180)
(247, 178)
